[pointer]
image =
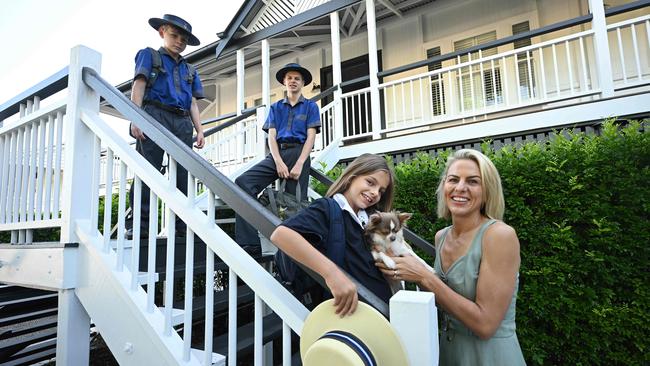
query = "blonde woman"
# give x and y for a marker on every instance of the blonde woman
(477, 264)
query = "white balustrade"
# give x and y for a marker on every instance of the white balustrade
(543, 72)
(629, 43)
(224, 149)
(268, 292)
(30, 170)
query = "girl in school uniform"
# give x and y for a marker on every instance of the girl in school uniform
(366, 185)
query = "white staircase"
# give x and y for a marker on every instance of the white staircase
(99, 278)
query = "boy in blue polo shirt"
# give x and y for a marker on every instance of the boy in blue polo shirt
(167, 88)
(292, 125)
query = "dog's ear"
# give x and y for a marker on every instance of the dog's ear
(375, 218)
(403, 217)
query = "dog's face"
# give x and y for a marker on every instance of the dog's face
(384, 229)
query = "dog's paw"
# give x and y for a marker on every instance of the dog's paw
(375, 255)
(389, 262)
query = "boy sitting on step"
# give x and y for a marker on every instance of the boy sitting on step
(292, 125)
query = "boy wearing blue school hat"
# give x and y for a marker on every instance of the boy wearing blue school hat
(292, 125)
(167, 88)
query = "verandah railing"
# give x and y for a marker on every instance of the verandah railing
(629, 43)
(540, 73)
(473, 86)
(31, 170)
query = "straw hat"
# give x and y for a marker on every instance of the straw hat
(364, 338)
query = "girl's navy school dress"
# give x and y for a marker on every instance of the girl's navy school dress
(313, 224)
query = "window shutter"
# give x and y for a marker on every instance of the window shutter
(490, 82)
(521, 28)
(526, 74)
(475, 41)
(437, 86)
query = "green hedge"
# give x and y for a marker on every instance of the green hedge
(580, 205)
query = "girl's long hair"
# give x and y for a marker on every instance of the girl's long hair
(367, 164)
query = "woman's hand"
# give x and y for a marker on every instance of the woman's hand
(407, 268)
(344, 292)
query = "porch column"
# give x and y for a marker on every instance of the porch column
(240, 105)
(266, 71)
(240, 81)
(336, 77)
(373, 67)
(73, 323)
(601, 48)
(266, 96)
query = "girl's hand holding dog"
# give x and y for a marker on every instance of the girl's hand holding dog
(344, 292)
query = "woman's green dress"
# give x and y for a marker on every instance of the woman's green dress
(458, 345)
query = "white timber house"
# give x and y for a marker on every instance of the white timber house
(391, 77)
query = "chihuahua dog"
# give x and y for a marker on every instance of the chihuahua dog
(385, 231)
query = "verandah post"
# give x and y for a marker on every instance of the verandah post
(373, 69)
(239, 150)
(336, 76)
(601, 48)
(266, 97)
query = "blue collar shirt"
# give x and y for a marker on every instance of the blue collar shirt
(292, 122)
(172, 86)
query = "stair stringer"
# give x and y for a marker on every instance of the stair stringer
(134, 336)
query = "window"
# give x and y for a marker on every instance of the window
(437, 86)
(478, 89)
(525, 65)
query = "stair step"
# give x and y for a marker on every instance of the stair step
(143, 277)
(217, 359)
(13, 345)
(199, 266)
(31, 354)
(178, 315)
(220, 302)
(272, 329)
(16, 294)
(127, 243)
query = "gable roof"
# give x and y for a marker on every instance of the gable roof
(257, 20)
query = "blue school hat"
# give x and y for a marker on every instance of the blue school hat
(178, 22)
(306, 75)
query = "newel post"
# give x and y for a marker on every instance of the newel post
(73, 328)
(414, 317)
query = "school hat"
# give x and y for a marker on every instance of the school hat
(306, 75)
(364, 338)
(177, 22)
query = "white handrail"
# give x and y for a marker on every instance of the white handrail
(623, 23)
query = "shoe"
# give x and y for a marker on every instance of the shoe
(253, 250)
